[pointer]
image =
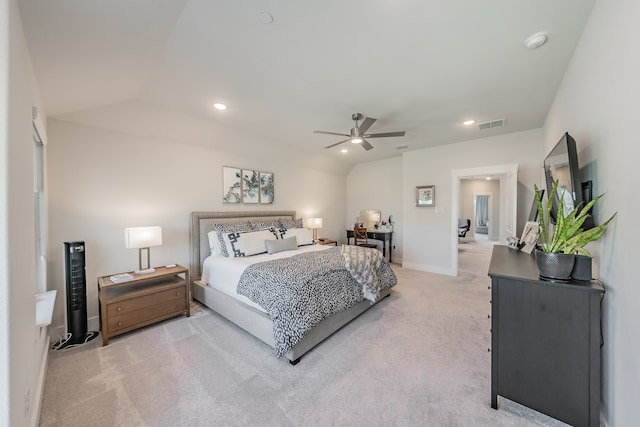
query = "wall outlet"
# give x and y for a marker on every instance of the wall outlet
(26, 403)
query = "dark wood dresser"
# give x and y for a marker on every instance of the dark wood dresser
(545, 340)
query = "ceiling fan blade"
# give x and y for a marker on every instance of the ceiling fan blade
(385, 134)
(366, 145)
(330, 133)
(337, 143)
(366, 124)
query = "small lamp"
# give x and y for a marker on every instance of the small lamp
(143, 238)
(314, 224)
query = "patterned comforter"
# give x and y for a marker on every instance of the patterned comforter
(300, 291)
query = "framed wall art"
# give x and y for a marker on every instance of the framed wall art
(231, 185)
(266, 188)
(250, 186)
(426, 196)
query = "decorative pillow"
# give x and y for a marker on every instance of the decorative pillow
(302, 235)
(247, 244)
(265, 225)
(291, 223)
(221, 229)
(279, 232)
(275, 246)
(214, 243)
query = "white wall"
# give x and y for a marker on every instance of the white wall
(101, 182)
(377, 186)
(597, 104)
(5, 302)
(427, 231)
(23, 347)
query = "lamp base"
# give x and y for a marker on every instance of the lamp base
(145, 271)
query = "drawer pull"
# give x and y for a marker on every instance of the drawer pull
(178, 293)
(119, 309)
(119, 323)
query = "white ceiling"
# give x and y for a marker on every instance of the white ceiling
(416, 65)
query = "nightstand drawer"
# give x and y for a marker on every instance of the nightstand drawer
(146, 314)
(135, 304)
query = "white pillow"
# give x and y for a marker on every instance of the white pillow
(214, 243)
(275, 246)
(302, 235)
(246, 244)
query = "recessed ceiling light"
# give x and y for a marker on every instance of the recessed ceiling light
(356, 140)
(536, 40)
(219, 106)
(468, 122)
(488, 178)
(344, 150)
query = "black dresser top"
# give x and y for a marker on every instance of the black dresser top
(515, 264)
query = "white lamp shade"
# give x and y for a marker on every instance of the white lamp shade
(142, 237)
(314, 223)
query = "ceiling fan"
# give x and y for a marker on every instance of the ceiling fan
(358, 135)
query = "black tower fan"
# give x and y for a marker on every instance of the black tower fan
(76, 289)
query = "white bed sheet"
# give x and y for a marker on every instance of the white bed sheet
(223, 273)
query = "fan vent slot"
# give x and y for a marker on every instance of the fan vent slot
(491, 124)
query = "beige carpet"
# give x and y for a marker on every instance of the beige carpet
(419, 358)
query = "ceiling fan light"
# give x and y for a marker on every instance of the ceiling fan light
(356, 140)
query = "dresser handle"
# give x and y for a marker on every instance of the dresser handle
(119, 323)
(177, 293)
(119, 309)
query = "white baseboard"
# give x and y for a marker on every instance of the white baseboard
(37, 401)
(429, 268)
(93, 323)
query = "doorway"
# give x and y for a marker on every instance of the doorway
(507, 176)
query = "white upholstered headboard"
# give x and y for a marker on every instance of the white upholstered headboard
(204, 222)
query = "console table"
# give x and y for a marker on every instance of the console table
(386, 237)
(545, 340)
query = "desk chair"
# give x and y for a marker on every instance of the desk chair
(360, 238)
(464, 225)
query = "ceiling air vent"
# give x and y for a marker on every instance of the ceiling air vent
(491, 124)
(401, 147)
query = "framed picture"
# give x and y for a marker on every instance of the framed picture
(266, 187)
(426, 196)
(250, 186)
(529, 236)
(231, 185)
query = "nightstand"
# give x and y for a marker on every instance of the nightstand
(327, 242)
(143, 300)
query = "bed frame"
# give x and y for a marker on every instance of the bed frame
(248, 318)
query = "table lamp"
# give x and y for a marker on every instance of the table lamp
(143, 238)
(314, 224)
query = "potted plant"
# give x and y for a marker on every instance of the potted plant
(558, 247)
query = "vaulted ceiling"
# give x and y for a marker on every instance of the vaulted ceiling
(415, 65)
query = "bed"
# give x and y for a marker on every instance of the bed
(251, 317)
